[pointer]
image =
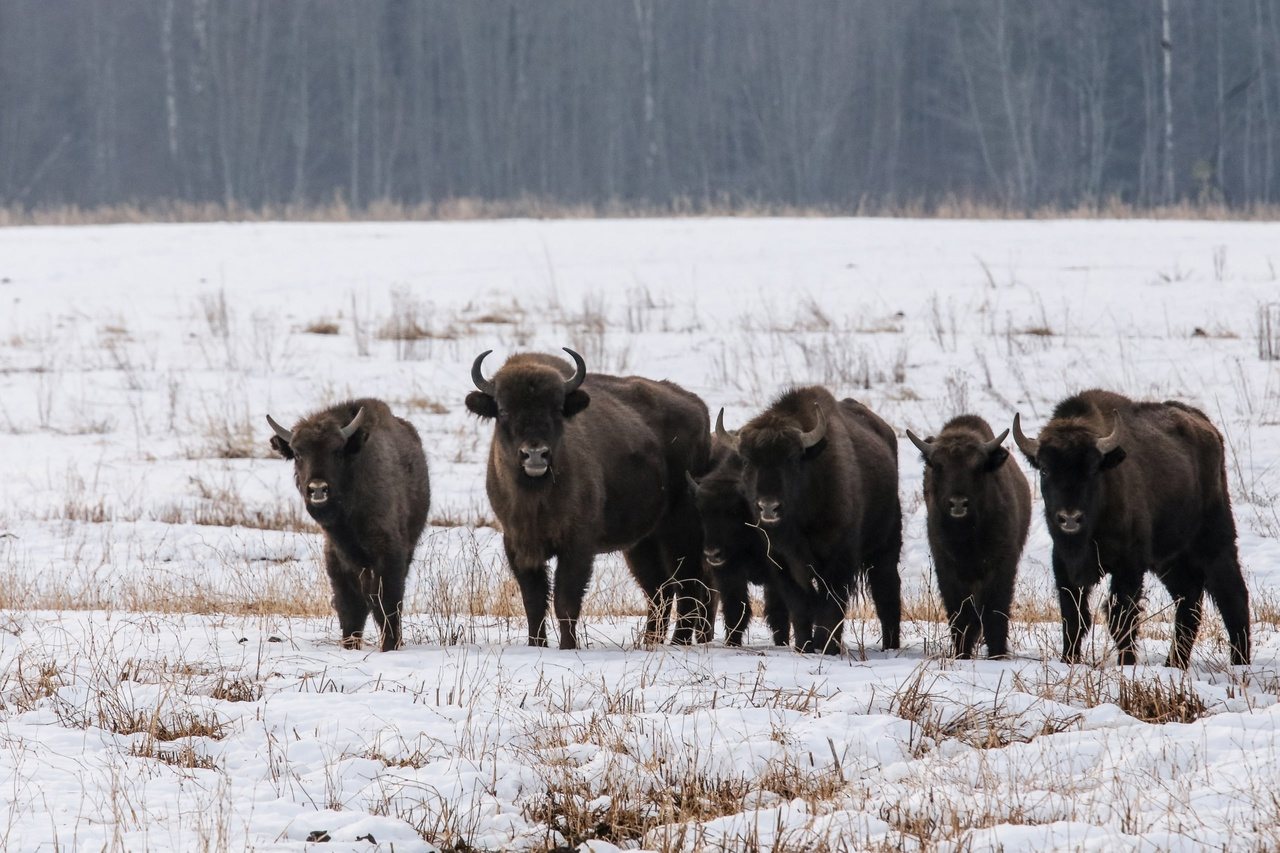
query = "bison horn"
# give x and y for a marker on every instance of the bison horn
(285, 435)
(693, 484)
(477, 375)
(721, 433)
(994, 443)
(1111, 441)
(926, 449)
(579, 373)
(347, 430)
(819, 432)
(1030, 447)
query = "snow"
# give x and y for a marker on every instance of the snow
(137, 362)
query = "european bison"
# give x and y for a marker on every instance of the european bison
(363, 477)
(734, 549)
(979, 507)
(582, 464)
(821, 479)
(1136, 487)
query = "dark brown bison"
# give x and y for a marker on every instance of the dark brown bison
(979, 507)
(821, 479)
(582, 464)
(363, 477)
(1136, 487)
(734, 549)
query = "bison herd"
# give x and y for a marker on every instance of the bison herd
(801, 500)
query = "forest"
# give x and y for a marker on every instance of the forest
(857, 106)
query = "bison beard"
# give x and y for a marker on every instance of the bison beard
(363, 477)
(585, 464)
(1130, 488)
(822, 481)
(979, 509)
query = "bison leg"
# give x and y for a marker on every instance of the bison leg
(349, 601)
(1189, 596)
(735, 605)
(534, 591)
(386, 597)
(680, 542)
(1073, 602)
(995, 604)
(829, 612)
(776, 615)
(886, 592)
(693, 618)
(647, 567)
(1226, 587)
(1122, 612)
(573, 573)
(962, 614)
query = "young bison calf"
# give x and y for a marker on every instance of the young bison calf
(363, 477)
(979, 507)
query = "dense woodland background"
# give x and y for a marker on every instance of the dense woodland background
(683, 104)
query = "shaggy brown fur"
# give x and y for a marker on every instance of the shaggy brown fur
(376, 498)
(577, 472)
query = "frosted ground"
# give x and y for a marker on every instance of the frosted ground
(169, 669)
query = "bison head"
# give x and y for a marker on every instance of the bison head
(958, 469)
(321, 447)
(775, 448)
(530, 401)
(1071, 456)
(723, 510)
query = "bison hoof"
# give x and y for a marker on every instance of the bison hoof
(998, 655)
(351, 643)
(538, 642)
(1127, 658)
(1175, 663)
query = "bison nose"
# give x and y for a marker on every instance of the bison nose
(713, 556)
(959, 507)
(770, 510)
(533, 458)
(317, 492)
(1069, 520)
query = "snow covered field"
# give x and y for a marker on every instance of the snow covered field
(169, 670)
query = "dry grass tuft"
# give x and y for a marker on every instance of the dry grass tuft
(322, 327)
(1151, 699)
(184, 756)
(237, 690)
(937, 719)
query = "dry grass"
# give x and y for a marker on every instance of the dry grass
(465, 208)
(1150, 699)
(322, 327)
(981, 727)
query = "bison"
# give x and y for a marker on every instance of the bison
(734, 549)
(582, 464)
(821, 479)
(1135, 487)
(363, 477)
(979, 509)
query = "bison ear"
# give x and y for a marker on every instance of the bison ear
(996, 458)
(356, 441)
(482, 405)
(1112, 459)
(815, 450)
(279, 445)
(575, 401)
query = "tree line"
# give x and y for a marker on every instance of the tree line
(837, 104)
